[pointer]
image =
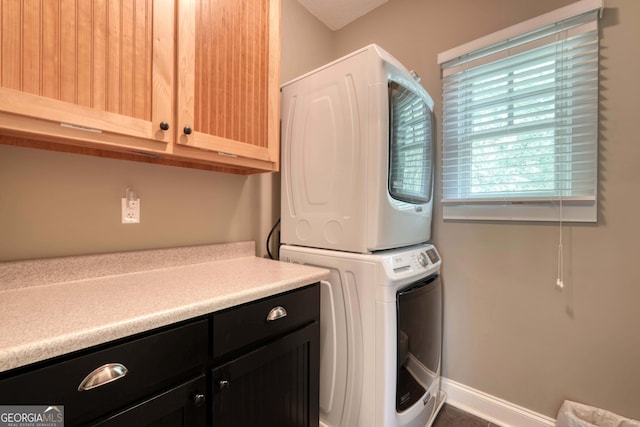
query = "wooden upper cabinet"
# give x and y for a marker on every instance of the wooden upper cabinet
(90, 65)
(228, 78)
(111, 75)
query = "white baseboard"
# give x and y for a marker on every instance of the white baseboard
(491, 408)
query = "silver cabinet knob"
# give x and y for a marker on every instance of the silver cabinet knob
(222, 384)
(199, 399)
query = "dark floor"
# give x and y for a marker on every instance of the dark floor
(450, 416)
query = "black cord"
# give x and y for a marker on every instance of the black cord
(269, 237)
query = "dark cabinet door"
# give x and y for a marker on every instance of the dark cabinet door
(274, 385)
(181, 406)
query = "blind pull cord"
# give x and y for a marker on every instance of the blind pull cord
(560, 279)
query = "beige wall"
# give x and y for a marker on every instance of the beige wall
(58, 204)
(508, 331)
(306, 42)
(55, 204)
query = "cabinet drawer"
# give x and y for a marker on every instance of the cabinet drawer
(243, 326)
(153, 363)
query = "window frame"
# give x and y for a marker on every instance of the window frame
(528, 207)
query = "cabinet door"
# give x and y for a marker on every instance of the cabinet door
(228, 88)
(181, 406)
(275, 385)
(88, 70)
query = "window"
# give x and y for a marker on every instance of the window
(520, 114)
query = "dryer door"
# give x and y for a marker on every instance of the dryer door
(410, 146)
(419, 311)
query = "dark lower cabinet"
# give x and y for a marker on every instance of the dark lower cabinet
(100, 382)
(181, 406)
(252, 365)
(273, 385)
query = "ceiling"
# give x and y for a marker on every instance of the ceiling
(335, 14)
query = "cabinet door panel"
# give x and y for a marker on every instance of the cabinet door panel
(229, 81)
(176, 407)
(91, 62)
(11, 54)
(277, 383)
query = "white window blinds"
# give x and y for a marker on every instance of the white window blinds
(520, 125)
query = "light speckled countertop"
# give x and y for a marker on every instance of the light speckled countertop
(53, 307)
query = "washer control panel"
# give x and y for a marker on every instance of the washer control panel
(415, 260)
(433, 255)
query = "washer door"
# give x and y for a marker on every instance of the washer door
(419, 311)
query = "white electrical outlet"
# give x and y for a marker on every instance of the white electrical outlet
(130, 211)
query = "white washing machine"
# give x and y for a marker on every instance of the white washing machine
(381, 335)
(357, 156)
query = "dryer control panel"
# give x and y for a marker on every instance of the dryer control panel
(412, 261)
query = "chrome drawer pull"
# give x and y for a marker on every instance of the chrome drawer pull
(103, 375)
(276, 313)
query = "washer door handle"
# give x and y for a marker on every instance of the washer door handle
(276, 313)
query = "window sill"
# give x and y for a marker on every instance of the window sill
(570, 211)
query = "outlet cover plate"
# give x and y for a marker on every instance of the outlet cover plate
(130, 211)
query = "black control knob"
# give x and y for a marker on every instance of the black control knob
(187, 130)
(164, 125)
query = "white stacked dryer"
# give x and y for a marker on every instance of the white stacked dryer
(357, 181)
